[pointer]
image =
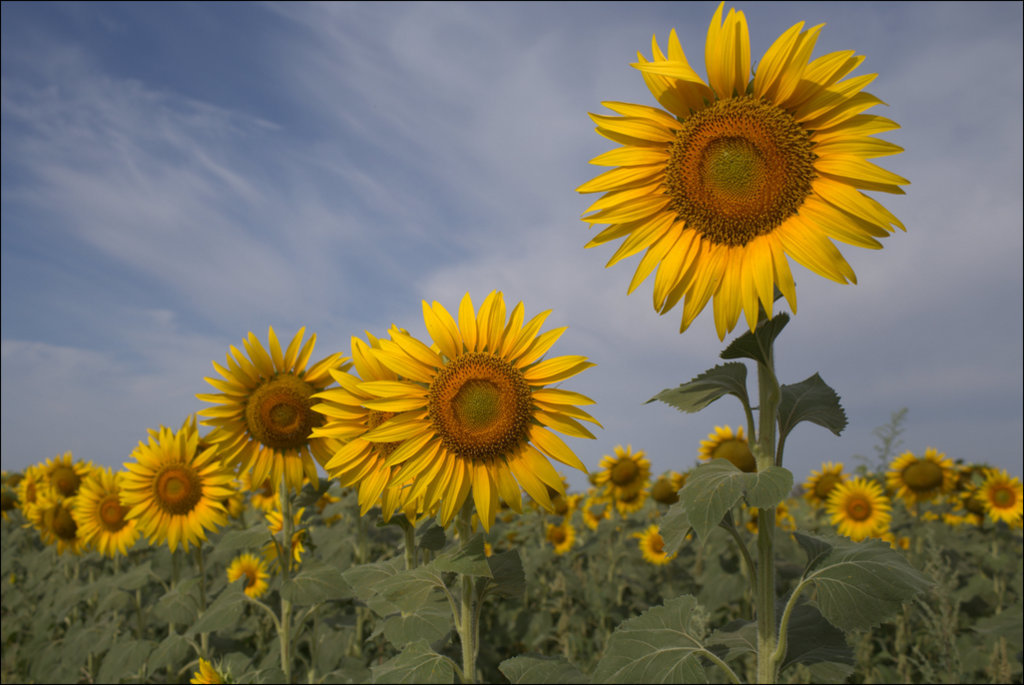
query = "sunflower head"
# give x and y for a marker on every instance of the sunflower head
(622, 476)
(738, 173)
(859, 508)
(1002, 497)
(254, 570)
(820, 484)
(733, 447)
(65, 474)
(921, 479)
(561, 536)
(664, 490)
(207, 674)
(101, 517)
(52, 517)
(595, 510)
(652, 546)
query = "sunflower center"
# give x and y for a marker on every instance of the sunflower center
(111, 513)
(278, 412)
(858, 509)
(480, 406)
(624, 472)
(66, 480)
(738, 169)
(664, 492)
(250, 576)
(557, 535)
(657, 544)
(922, 476)
(824, 485)
(177, 489)
(1003, 497)
(63, 525)
(738, 452)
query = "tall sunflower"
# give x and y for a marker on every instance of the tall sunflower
(738, 173)
(102, 519)
(476, 413)
(820, 483)
(175, 488)
(652, 546)
(624, 475)
(1002, 496)
(724, 444)
(264, 420)
(921, 479)
(859, 508)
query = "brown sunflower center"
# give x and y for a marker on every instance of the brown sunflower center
(858, 509)
(663, 492)
(8, 501)
(1003, 497)
(111, 513)
(738, 452)
(922, 476)
(738, 169)
(278, 413)
(251, 576)
(557, 535)
(656, 543)
(480, 406)
(63, 525)
(824, 485)
(65, 480)
(624, 472)
(177, 489)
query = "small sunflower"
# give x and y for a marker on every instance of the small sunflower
(175, 488)
(263, 496)
(724, 444)
(101, 518)
(820, 483)
(561, 536)
(921, 479)
(630, 503)
(65, 474)
(1002, 496)
(254, 570)
(31, 485)
(625, 474)
(206, 675)
(52, 517)
(595, 510)
(475, 413)
(859, 508)
(275, 522)
(652, 546)
(664, 490)
(783, 518)
(742, 172)
(264, 420)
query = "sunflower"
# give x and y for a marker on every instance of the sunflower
(101, 517)
(629, 503)
(254, 570)
(476, 413)
(206, 675)
(859, 508)
(652, 546)
(625, 474)
(65, 474)
(921, 479)
(1002, 496)
(29, 488)
(664, 490)
(52, 517)
(595, 510)
(275, 522)
(820, 483)
(264, 420)
(783, 518)
(724, 444)
(561, 536)
(740, 172)
(264, 496)
(175, 488)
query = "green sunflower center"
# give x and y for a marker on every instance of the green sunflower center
(111, 513)
(177, 489)
(480, 406)
(858, 509)
(738, 169)
(624, 472)
(922, 476)
(278, 413)
(63, 525)
(65, 480)
(738, 452)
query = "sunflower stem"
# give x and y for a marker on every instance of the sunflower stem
(768, 392)
(410, 542)
(467, 622)
(285, 561)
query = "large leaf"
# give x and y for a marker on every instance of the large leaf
(673, 527)
(757, 345)
(180, 604)
(430, 622)
(315, 584)
(810, 400)
(711, 490)
(540, 669)
(662, 645)
(816, 643)
(124, 660)
(410, 590)
(724, 379)
(225, 611)
(417, 663)
(469, 559)
(508, 578)
(767, 488)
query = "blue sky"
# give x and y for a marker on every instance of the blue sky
(175, 175)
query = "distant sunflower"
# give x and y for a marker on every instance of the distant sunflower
(741, 172)
(52, 517)
(664, 490)
(561, 536)
(595, 510)
(652, 546)
(921, 479)
(264, 496)
(254, 570)
(625, 474)
(65, 474)
(174, 488)
(264, 420)
(724, 444)
(1002, 496)
(820, 483)
(475, 413)
(30, 486)
(630, 503)
(206, 675)
(859, 508)
(101, 518)
(275, 522)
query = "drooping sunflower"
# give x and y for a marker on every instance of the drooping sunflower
(66, 474)
(206, 675)
(52, 517)
(254, 570)
(724, 444)
(175, 488)
(652, 546)
(664, 490)
(476, 413)
(624, 475)
(820, 483)
(859, 508)
(921, 479)
(738, 173)
(561, 536)
(101, 517)
(264, 420)
(1002, 496)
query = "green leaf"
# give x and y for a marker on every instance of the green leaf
(314, 584)
(540, 669)
(417, 663)
(430, 622)
(249, 538)
(711, 490)
(180, 604)
(365, 580)
(225, 611)
(469, 559)
(433, 538)
(860, 584)
(123, 661)
(756, 345)
(509, 580)
(410, 590)
(810, 400)
(137, 577)
(172, 651)
(674, 527)
(735, 639)
(769, 487)
(724, 379)
(816, 643)
(662, 645)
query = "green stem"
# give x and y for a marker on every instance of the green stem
(780, 650)
(410, 541)
(285, 560)
(768, 392)
(467, 624)
(747, 559)
(721, 664)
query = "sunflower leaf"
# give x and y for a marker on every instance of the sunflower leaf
(433, 538)
(509, 580)
(179, 604)
(810, 400)
(468, 559)
(224, 612)
(711, 490)
(817, 644)
(662, 645)
(769, 487)
(315, 584)
(540, 669)
(757, 344)
(430, 622)
(674, 527)
(417, 663)
(411, 589)
(724, 379)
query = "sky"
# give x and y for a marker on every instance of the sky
(175, 175)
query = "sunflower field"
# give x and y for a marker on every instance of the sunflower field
(395, 512)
